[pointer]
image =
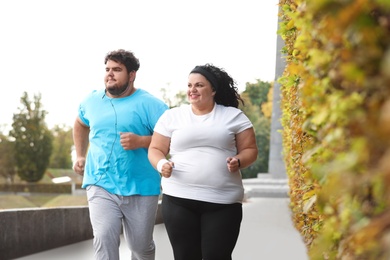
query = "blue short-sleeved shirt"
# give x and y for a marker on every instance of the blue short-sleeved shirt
(108, 165)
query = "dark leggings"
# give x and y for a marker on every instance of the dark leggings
(201, 230)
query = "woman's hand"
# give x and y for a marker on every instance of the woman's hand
(166, 168)
(233, 164)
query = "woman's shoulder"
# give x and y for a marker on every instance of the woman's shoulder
(180, 109)
(230, 110)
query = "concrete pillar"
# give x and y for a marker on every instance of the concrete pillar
(276, 166)
(275, 182)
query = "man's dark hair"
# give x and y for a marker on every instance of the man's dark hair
(126, 58)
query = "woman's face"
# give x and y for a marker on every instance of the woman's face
(200, 91)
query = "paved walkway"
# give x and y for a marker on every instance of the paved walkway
(266, 233)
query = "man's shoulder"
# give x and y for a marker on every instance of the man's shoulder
(145, 95)
(94, 94)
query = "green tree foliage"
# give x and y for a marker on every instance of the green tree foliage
(266, 107)
(62, 144)
(258, 92)
(252, 111)
(255, 97)
(7, 160)
(32, 139)
(178, 99)
(262, 132)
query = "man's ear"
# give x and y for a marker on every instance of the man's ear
(132, 75)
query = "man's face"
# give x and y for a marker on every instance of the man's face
(117, 78)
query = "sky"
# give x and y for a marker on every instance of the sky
(57, 48)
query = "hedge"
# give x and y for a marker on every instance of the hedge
(336, 124)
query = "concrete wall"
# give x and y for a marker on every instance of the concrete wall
(276, 166)
(28, 231)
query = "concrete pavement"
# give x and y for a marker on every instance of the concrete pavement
(266, 233)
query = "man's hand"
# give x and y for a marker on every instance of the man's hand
(130, 141)
(78, 166)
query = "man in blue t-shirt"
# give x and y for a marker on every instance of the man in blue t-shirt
(111, 135)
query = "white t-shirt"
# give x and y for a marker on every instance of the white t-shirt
(199, 148)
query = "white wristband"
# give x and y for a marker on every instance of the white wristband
(160, 164)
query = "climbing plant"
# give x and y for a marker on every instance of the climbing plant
(336, 124)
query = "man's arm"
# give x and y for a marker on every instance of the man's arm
(81, 142)
(130, 141)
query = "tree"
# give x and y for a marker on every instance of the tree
(258, 92)
(257, 98)
(251, 111)
(262, 132)
(33, 140)
(178, 99)
(7, 160)
(62, 145)
(266, 107)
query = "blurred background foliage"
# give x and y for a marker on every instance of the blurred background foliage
(258, 107)
(336, 121)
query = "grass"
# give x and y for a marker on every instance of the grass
(15, 201)
(67, 200)
(11, 201)
(37, 199)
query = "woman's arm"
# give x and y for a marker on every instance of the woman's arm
(246, 150)
(157, 153)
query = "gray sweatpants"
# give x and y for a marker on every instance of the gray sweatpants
(109, 211)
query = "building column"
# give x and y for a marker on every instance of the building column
(275, 182)
(276, 166)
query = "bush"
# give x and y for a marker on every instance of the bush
(336, 120)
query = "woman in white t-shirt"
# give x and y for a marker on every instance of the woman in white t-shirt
(207, 142)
